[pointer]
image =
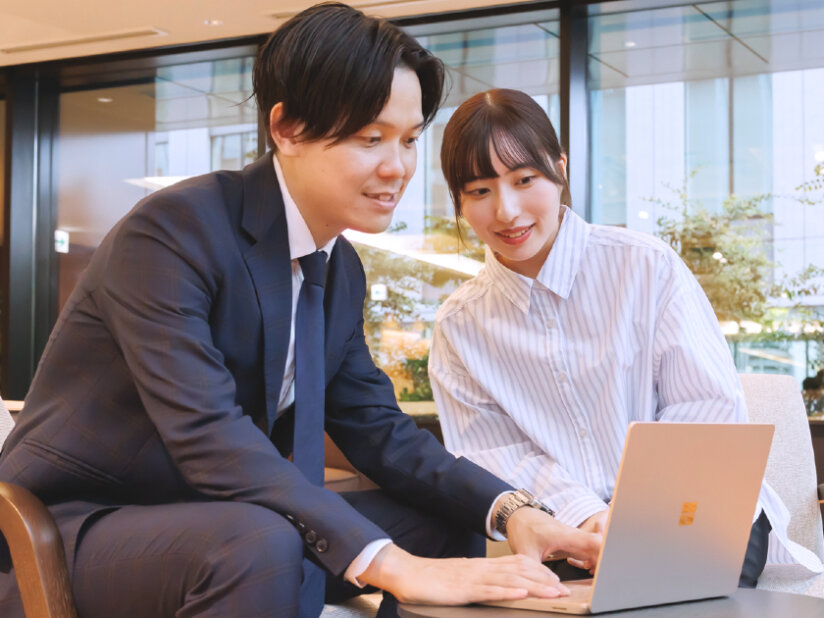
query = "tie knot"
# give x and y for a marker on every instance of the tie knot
(314, 268)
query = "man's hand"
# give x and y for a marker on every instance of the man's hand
(533, 533)
(458, 581)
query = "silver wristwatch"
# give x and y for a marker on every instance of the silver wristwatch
(514, 501)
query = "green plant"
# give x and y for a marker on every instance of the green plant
(418, 369)
(729, 253)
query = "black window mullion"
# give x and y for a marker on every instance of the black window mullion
(575, 102)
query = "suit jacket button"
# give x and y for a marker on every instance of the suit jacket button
(321, 545)
(311, 537)
(301, 527)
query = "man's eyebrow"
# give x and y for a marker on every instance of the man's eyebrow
(383, 123)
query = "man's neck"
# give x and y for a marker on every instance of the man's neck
(322, 232)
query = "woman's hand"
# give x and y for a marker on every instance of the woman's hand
(458, 581)
(596, 523)
(540, 536)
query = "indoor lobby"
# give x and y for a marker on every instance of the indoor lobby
(698, 123)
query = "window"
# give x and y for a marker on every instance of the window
(721, 101)
(415, 265)
(118, 144)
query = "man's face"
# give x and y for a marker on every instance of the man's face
(357, 183)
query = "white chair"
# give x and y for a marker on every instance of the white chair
(6, 422)
(791, 472)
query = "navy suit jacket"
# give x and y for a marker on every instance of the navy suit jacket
(161, 378)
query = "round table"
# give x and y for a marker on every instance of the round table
(742, 604)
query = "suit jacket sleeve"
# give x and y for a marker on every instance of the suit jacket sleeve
(363, 418)
(155, 299)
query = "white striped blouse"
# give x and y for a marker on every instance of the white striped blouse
(537, 380)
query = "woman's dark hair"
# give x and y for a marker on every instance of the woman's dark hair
(332, 68)
(515, 126)
(812, 383)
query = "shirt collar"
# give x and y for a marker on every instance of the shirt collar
(559, 270)
(300, 238)
(564, 260)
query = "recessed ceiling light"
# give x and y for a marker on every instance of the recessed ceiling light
(104, 99)
(213, 22)
(629, 44)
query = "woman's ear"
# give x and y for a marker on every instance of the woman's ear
(561, 165)
(283, 135)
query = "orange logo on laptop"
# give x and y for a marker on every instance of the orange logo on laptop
(687, 513)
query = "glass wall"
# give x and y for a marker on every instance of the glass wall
(414, 266)
(707, 129)
(2, 203)
(118, 144)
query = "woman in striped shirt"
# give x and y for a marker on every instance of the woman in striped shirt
(570, 331)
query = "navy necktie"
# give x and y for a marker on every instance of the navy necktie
(309, 369)
(307, 451)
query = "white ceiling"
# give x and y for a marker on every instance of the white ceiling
(39, 30)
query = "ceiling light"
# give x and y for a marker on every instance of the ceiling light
(104, 99)
(213, 22)
(630, 44)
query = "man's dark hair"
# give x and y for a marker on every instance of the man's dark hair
(332, 68)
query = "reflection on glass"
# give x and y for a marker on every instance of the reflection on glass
(413, 267)
(116, 145)
(699, 111)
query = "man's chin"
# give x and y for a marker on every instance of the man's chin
(374, 226)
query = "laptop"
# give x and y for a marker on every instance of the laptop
(680, 519)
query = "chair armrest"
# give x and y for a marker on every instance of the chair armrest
(37, 554)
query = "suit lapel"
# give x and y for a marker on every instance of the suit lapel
(269, 265)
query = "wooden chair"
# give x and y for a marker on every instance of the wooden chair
(37, 554)
(35, 545)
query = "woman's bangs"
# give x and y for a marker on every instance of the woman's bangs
(517, 149)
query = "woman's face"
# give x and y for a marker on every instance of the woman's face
(516, 213)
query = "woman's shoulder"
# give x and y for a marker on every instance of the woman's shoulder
(612, 235)
(467, 294)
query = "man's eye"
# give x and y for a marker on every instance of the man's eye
(410, 141)
(371, 139)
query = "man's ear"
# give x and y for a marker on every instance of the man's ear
(283, 135)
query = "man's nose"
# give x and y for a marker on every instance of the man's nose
(393, 164)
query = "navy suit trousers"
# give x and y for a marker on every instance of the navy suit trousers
(221, 559)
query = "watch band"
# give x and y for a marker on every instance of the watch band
(511, 503)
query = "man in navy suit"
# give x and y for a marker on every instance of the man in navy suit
(158, 426)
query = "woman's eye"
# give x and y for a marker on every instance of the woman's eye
(525, 180)
(477, 192)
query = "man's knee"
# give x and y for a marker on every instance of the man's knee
(257, 543)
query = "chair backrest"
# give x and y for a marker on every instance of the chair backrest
(790, 471)
(6, 423)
